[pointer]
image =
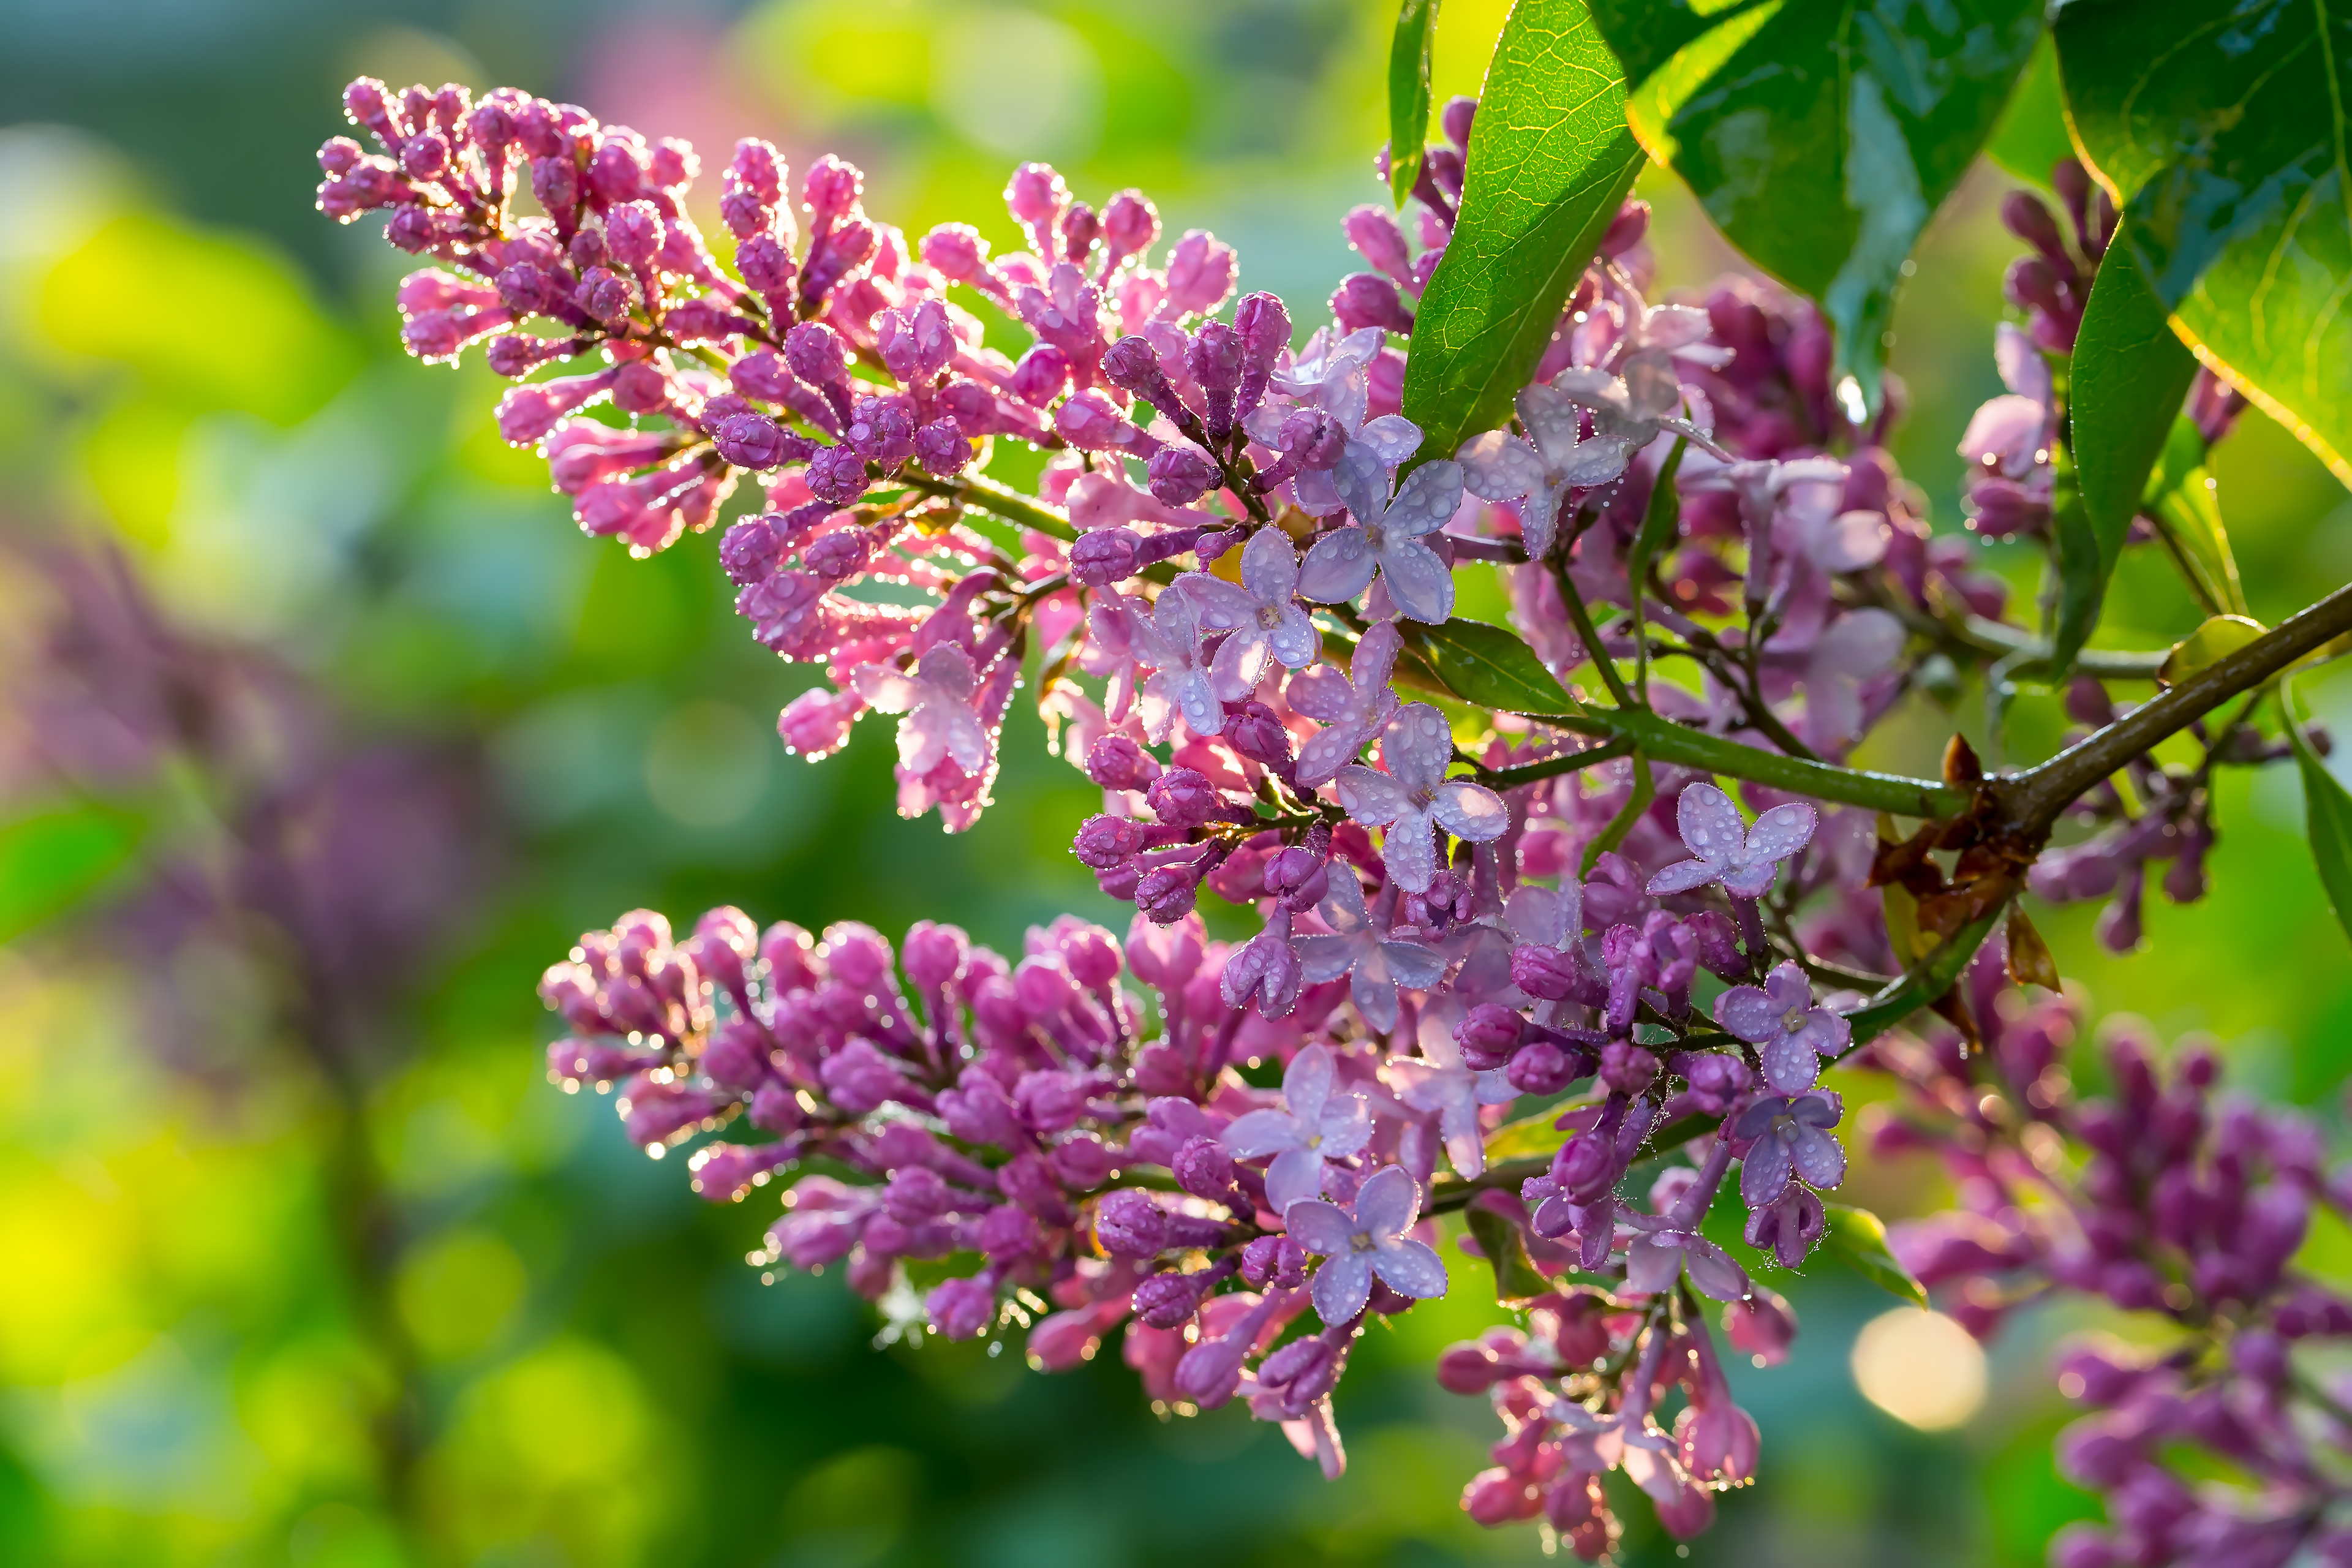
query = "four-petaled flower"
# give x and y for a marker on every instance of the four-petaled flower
(1261, 611)
(1789, 1034)
(1744, 859)
(935, 698)
(1414, 795)
(1440, 1085)
(1370, 1239)
(1667, 1246)
(1169, 641)
(1334, 374)
(1375, 965)
(1790, 1137)
(1543, 466)
(1352, 707)
(1386, 535)
(1315, 1125)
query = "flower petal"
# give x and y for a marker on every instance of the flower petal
(1409, 1268)
(1470, 811)
(1552, 417)
(1269, 566)
(1362, 481)
(1764, 1175)
(1371, 797)
(1306, 1083)
(1682, 877)
(1818, 1157)
(1539, 519)
(1322, 958)
(1345, 1126)
(1219, 604)
(1427, 500)
(1790, 1066)
(1342, 1285)
(1710, 823)
(1780, 832)
(1295, 642)
(1374, 997)
(1392, 436)
(1388, 1204)
(1653, 1265)
(1411, 857)
(1411, 964)
(1295, 1177)
(1747, 1012)
(1421, 583)
(1498, 465)
(1713, 1271)
(1320, 1227)
(1338, 567)
(1257, 1132)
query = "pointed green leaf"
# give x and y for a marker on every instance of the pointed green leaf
(2130, 375)
(2181, 501)
(1821, 135)
(1857, 1239)
(1416, 27)
(53, 858)
(2215, 639)
(2221, 130)
(1486, 665)
(1529, 1137)
(1516, 1279)
(2326, 812)
(1550, 161)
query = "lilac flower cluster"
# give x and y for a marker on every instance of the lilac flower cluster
(2184, 1206)
(1229, 572)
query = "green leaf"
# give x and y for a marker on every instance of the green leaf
(2180, 500)
(53, 858)
(1527, 1138)
(2219, 637)
(1550, 161)
(2081, 559)
(2221, 130)
(1486, 666)
(1516, 1279)
(1821, 135)
(1857, 1239)
(1645, 790)
(2326, 813)
(2130, 375)
(1416, 27)
(2031, 136)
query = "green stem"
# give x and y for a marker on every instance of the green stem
(1553, 767)
(1667, 742)
(987, 495)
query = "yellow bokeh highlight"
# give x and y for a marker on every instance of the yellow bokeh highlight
(1920, 1367)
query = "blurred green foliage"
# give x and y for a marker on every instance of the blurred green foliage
(263, 1305)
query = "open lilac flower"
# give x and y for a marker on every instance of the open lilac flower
(1744, 859)
(1334, 374)
(936, 699)
(1789, 1034)
(1352, 707)
(1546, 464)
(1440, 1086)
(1387, 536)
(1262, 611)
(1367, 1240)
(1169, 642)
(1414, 795)
(1315, 1125)
(1375, 965)
(1665, 1246)
(1857, 647)
(1790, 1137)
